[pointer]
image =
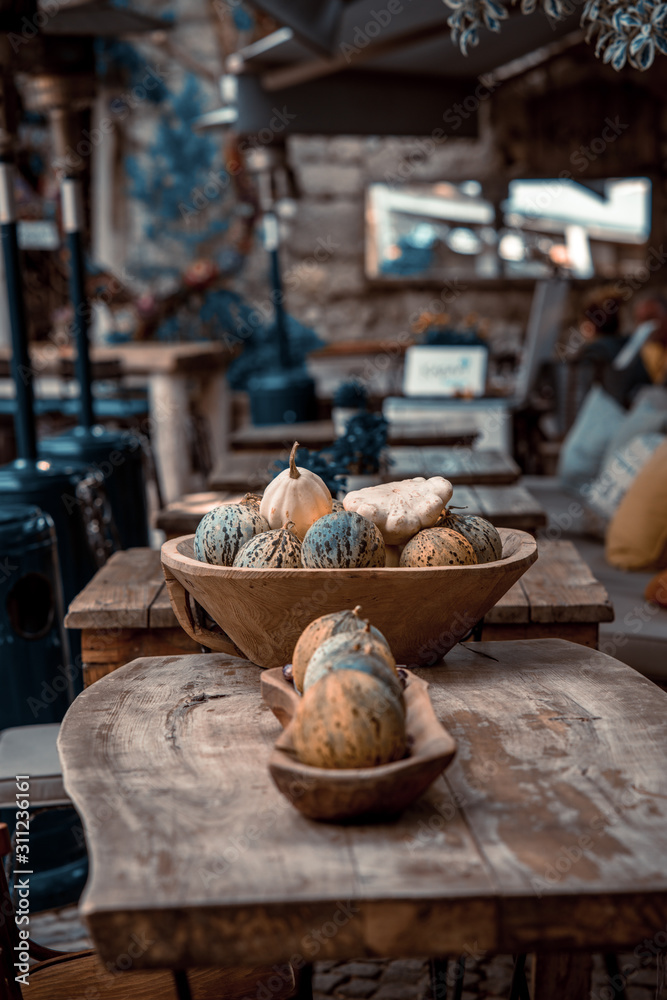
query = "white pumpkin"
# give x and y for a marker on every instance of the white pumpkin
(296, 495)
(401, 509)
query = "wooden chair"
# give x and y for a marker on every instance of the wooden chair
(80, 975)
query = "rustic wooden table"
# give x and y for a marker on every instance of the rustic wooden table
(125, 612)
(252, 470)
(168, 368)
(548, 832)
(459, 430)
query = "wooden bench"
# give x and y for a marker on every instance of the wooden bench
(124, 612)
(505, 506)
(252, 470)
(320, 433)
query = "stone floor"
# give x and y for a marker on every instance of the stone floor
(404, 979)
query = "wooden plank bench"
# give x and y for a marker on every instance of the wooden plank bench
(124, 612)
(320, 433)
(252, 470)
(505, 506)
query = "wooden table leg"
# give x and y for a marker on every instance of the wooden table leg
(304, 983)
(562, 974)
(182, 985)
(215, 406)
(169, 414)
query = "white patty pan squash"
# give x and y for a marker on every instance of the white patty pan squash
(297, 495)
(401, 509)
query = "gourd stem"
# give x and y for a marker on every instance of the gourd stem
(293, 471)
(357, 611)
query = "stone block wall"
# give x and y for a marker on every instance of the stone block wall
(324, 244)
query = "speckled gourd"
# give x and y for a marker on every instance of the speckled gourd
(345, 649)
(317, 632)
(366, 663)
(252, 500)
(438, 547)
(342, 540)
(481, 534)
(224, 530)
(296, 495)
(349, 719)
(276, 549)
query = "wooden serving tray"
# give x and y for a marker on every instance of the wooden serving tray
(335, 795)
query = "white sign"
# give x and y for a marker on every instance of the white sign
(445, 371)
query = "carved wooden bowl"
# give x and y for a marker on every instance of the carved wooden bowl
(260, 613)
(348, 793)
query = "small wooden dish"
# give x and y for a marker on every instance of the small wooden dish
(352, 793)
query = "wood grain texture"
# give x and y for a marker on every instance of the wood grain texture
(505, 506)
(181, 517)
(84, 977)
(562, 974)
(134, 359)
(320, 433)
(510, 507)
(119, 594)
(566, 590)
(104, 650)
(423, 612)
(548, 832)
(340, 794)
(558, 589)
(462, 466)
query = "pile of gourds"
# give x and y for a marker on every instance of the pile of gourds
(297, 523)
(352, 710)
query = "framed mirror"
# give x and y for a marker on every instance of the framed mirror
(542, 228)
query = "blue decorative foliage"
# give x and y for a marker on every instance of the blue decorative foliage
(260, 351)
(358, 451)
(114, 55)
(623, 32)
(243, 19)
(177, 164)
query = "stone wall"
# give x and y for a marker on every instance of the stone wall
(324, 244)
(526, 129)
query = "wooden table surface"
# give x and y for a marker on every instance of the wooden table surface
(252, 470)
(548, 832)
(125, 612)
(453, 430)
(149, 358)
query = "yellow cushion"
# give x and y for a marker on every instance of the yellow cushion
(637, 534)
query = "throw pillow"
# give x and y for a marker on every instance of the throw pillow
(618, 473)
(647, 416)
(637, 535)
(584, 447)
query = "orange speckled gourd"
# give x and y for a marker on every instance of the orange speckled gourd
(349, 719)
(438, 547)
